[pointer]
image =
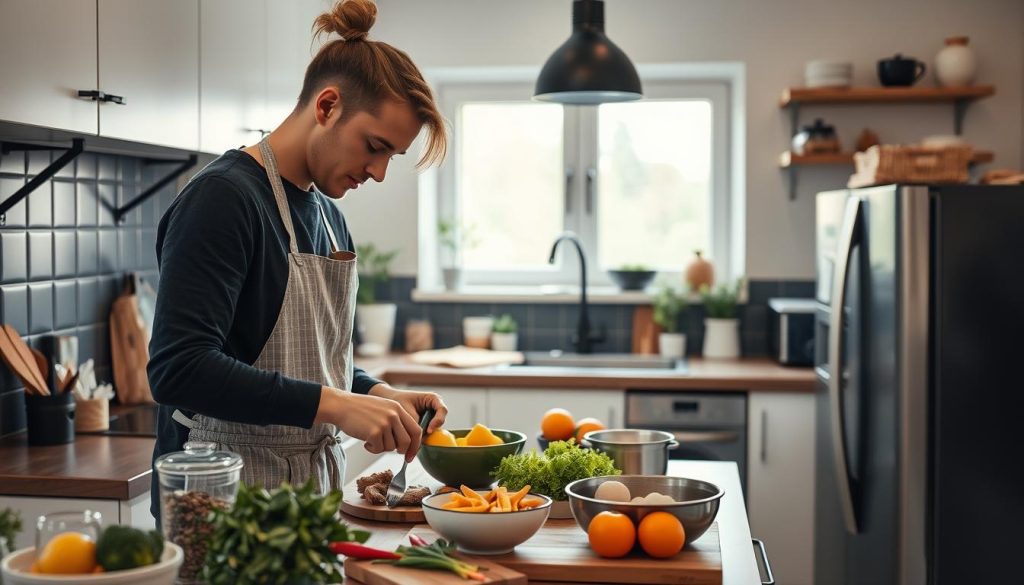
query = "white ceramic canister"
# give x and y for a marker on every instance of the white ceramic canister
(956, 64)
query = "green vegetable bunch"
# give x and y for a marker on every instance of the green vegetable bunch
(277, 537)
(505, 324)
(562, 463)
(720, 303)
(668, 305)
(633, 268)
(124, 547)
(373, 267)
(10, 525)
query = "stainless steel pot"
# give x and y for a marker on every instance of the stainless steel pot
(635, 451)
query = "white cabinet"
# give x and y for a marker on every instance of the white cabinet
(781, 481)
(233, 74)
(48, 54)
(466, 406)
(521, 409)
(290, 48)
(129, 512)
(149, 54)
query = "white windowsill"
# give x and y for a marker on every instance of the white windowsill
(598, 295)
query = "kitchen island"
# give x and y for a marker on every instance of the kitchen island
(739, 566)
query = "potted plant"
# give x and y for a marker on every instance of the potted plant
(453, 239)
(10, 526)
(668, 306)
(503, 336)
(721, 327)
(375, 321)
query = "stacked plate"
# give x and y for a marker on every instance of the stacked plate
(823, 73)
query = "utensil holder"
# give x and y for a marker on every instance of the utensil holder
(92, 415)
(50, 419)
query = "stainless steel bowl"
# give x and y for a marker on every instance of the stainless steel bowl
(696, 504)
(635, 451)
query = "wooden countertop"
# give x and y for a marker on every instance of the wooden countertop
(739, 566)
(93, 466)
(753, 374)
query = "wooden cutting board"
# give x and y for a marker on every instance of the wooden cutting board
(645, 331)
(461, 356)
(559, 552)
(368, 573)
(354, 504)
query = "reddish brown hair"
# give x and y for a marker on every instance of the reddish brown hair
(369, 72)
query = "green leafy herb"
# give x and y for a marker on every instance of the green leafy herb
(374, 270)
(280, 536)
(668, 305)
(633, 268)
(435, 556)
(720, 303)
(562, 463)
(10, 525)
(505, 324)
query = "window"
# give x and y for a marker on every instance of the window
(640, 183)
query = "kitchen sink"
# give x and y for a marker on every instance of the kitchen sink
(628, 363)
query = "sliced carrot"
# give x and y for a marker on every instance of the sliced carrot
(480, 508)
(469, 493)
(503, 502)
(451, 505)
(530, 502)
(491, 495)
(515, 498)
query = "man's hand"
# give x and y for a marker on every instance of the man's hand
(415, 402)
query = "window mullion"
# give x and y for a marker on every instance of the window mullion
(589, 191)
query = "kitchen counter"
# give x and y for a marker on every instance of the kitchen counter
(739, 566)
(751, 374)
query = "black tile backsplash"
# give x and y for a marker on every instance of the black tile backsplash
(62, 257)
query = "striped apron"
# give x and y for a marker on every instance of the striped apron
(312, 340)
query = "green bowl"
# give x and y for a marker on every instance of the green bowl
(471, 466)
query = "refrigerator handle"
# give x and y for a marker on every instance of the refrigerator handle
(847, 239)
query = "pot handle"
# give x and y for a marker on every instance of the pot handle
(673, 444)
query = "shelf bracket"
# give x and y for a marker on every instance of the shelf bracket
(959, 109)
(183, 165)
(77, 146)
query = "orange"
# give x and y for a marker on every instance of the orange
(661, 535)
(68, 553)
(557, 424)
(585, 425)
(611, 534)
(440, 438)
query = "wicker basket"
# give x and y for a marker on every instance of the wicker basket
(883, 164)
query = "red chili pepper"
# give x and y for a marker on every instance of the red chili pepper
(417, 540)
(358, 551)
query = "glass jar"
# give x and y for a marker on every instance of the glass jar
(87, 523)
(193, 483)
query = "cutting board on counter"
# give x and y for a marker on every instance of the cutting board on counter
(560, 552)
(461, 356)
(368, 573)
(352, 503)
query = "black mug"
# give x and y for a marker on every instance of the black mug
(899, 71)
(50, 419)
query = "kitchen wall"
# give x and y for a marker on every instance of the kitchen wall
(774, 39)
(62, 257)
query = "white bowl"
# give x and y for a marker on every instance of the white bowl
(16, 565)
(485, 533)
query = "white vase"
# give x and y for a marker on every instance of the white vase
(672, 345)
(721, 338)
(504, 341)
(452, 278)
(956, 64)
(376, 323)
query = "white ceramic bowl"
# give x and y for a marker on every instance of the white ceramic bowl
(16, 565)
(485, 533)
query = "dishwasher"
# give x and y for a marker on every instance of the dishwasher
(710, 426)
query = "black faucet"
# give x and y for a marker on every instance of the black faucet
(583, 338)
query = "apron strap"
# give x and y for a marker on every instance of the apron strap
(270, 164)
(327, 224)
(183, 420)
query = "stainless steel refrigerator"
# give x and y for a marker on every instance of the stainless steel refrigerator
(920, 363)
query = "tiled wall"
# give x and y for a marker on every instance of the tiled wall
(62, 258)
(544, 327)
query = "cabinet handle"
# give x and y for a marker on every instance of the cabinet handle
(591, 179)
(569, 174)
(759, 546)
(764, 436)
(99, 96)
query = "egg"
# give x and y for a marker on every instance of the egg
(612, 491)
(658, 498)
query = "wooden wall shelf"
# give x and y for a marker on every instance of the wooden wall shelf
(892, 95)
(788, 159)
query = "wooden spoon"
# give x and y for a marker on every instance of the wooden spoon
(42, 363)
(23, 362)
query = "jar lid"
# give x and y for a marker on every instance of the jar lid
(199, 458)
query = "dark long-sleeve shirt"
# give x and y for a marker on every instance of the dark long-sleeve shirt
(223, 255)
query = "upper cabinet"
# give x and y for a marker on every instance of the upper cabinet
(290, 47)
(49, 53)
(149, 54)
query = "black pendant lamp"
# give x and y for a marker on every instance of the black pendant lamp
(588, 68)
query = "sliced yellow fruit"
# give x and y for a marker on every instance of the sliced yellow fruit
(440, 438)
(481, 436)
(460, 441)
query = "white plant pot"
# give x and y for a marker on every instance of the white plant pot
(721, 338)
(504, 341)
(376, 325)
(956, 65)
(452, 278)
(672, 345)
